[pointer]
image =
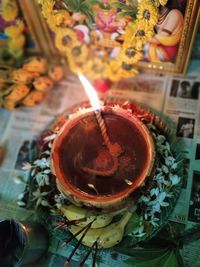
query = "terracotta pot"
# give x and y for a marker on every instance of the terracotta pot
(79, 146)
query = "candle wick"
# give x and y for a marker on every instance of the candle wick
(114, 149)
(103, 129)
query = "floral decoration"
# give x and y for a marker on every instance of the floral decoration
(29, 84)
(14, 29)
(156, 199)
(111, 32)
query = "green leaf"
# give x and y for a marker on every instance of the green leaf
(179, 258)
(73, 5)
(92, 2)
(153, 262)
(141, 254)
(169, 260)
(121, 6)
(132, 224)
(126, 14)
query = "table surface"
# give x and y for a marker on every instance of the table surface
(23, 127)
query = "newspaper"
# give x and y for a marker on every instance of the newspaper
(177, 98)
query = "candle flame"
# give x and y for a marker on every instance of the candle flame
(92, 94)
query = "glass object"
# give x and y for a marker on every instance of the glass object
(21, 242)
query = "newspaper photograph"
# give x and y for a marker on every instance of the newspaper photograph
(176, 97)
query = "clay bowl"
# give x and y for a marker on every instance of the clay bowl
(79, 146)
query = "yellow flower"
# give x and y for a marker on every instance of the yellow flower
(9, 104)
(118, 70)
(138, 34)
(142, 35)
(130, 54)
(96, 68)
(33, 98)
(127, 70)
(147, 11)
(78, 53)
(43, 83)
(36, 65)
(64, 39)
(15, 30)
(18, 92)
(47, 7)
(62, 18)
(156, 3)
(130, 32)
(75, 66)
(163, 2)
(17, 43)
(113, 71)
(21, 76)
(9, 10)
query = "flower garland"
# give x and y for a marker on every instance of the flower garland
(29, 84)
(102, 39)
(156, 199)
(14, 32)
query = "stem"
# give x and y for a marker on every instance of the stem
(95, 254)
(80, 231)
(87, 255)
(78, 244)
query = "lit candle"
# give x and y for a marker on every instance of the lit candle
(114, 149)
(94, 100)
(80, 162)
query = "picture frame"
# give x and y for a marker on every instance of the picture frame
(38, 28)
(191, 23)
(44, 38)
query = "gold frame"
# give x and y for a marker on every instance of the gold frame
(38, 28)
(191, 22)
(43, 39)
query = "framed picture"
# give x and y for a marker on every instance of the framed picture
(115, 39)
(171, 46)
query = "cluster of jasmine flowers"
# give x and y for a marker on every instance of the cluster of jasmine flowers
(152, 202)
(165, 181)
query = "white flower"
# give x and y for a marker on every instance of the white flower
(39, 196)
(21, 203)
(154, 191)
(175, 179)
(158, 202)
(46, 152)
(50, 137)
(42, 163)
(144, 199)
(160, 139)
(169, 161)
(154, 221)
(19, 180)
(44, 203)
(174, 166)
(42, 179)
(20, 196)
(26, 166)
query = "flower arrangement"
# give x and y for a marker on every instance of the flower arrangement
(102, 39)
(149, 211)
(29, 84)
(14, 29)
